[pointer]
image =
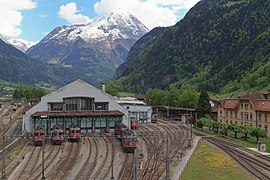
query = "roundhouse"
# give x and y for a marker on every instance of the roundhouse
(77, 103)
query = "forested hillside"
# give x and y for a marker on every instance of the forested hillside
(220, 46)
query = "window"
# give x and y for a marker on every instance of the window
(101, 106)
(242, 106)
(265, 127)
(87, 104)
(220, 115)
(56, 106)
(265, 117)
(246, 116)
(246, 106)
(260, 117)
(235, 115)
(242, 116)
(72, 104)
(251, 116)
(226, 114)
(231, 114)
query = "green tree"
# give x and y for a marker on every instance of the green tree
(235, 128)
(203, 107)
(215, 125)
(225, 127)
(199, 123)
(258, 133)
(112, 91)
(245, 130)
(188, 99)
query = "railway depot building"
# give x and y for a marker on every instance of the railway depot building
(76, 104)
(137, 110)
(252, 109)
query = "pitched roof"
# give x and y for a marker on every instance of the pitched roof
(259, 101)
(230, 103)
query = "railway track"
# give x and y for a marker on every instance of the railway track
(98, 174)
(29, 164)
(64, 166)
(49, 158)
(154, 146)
(126, 172)
(91, 161)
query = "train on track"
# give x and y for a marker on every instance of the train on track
(57, 135)
(128, 140)
(39, 135)
(74, 133)
(134, 124)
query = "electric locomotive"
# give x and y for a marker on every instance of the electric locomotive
(74, 133)
(57, 135)
(39, 135)
(134, 124)
(128, 140)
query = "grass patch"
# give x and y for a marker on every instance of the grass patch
(126, 94)
(208, 162)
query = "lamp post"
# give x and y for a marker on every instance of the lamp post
(4, 160)
(167, 156)
(112, 177)
(128, 118)
(43, 142)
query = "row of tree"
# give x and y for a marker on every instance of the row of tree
(223, 128)
(172, 98)
(28, 93)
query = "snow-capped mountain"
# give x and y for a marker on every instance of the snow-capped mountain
(20, 44)
(95, 49)
(118, 25)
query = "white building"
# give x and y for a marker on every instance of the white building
(76, 103)
(138, 110)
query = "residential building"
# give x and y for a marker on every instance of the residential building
(252, 109)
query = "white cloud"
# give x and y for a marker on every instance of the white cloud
(11, 17)
(42, 15)
(69, 12)
(152, 13)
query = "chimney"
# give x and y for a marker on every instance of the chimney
(103, 87)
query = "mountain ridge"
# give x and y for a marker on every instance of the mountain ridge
(204, 50)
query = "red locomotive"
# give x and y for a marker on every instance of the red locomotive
(134, 124)
(128, 139)
(57, 135)
(74, 133)
(39, 135)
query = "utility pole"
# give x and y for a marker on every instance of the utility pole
(10, 116)
(4, 160)
(112, 177)
(135, 164)
(189, 130)
(167, 156)
(43, 176)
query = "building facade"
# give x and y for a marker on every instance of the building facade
(137, 109)
(252, 109)
(76, 104)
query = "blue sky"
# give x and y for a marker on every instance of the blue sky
(33, 19)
